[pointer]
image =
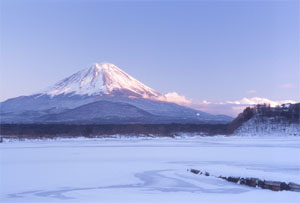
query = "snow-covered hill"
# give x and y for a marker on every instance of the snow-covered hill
(269, 126)
(266, 120)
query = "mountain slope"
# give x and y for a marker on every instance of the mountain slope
(105, 111)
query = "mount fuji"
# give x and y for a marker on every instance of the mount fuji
(102, 93)
(101, 79)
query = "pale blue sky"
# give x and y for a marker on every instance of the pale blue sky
(205, 50)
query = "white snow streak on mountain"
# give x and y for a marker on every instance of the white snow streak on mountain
(100, 79)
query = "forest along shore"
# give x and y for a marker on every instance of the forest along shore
(70, 130)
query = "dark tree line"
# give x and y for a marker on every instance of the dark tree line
(72, 130)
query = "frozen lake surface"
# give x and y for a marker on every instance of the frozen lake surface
(146, 170)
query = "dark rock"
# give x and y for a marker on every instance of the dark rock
(233, 179)
(242, 181)
(272, 185)
(294, 187)
(195, 171)
(222, 177)
(260, 183)
(284, 186)
(253, 182)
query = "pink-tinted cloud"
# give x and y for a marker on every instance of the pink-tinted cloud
(174, 97)
(232, 108)
(251, 91)
(287, 86)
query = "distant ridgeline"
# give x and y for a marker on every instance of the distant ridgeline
(264, 119)
(257, 120)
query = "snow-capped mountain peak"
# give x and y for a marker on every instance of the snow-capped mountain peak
(101, 79)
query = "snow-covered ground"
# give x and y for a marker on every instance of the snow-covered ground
(146, 170)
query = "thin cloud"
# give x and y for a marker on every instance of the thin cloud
(232, 108)
(287, 86)
(259, 100)
(251, 91)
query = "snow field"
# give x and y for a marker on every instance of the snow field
(146, 170)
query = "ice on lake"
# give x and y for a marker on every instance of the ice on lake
(146, 170)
